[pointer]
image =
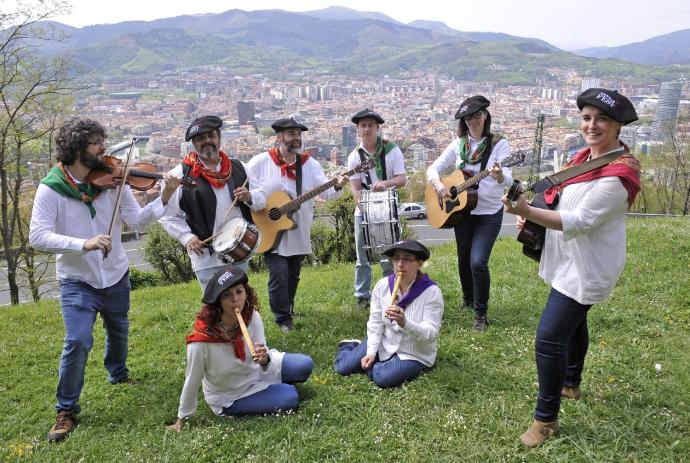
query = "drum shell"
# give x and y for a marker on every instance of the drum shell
(237, 241)
(380, 223)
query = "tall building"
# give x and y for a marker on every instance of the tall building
(666, 110)
(590, 83)
(245, 112)
(349, 138)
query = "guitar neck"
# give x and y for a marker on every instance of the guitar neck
(298, 201)
(473, 180)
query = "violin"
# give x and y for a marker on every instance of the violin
(141, 176)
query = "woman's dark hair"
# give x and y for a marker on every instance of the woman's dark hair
(73, 138)
(210, 313)
(463, 129)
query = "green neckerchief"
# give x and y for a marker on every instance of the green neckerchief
(85, 192)
(383, 147)
(472, 158)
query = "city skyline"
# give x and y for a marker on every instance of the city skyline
(555, 22)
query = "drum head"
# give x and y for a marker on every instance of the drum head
(230, 234)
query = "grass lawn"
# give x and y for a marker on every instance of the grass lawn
(471, 407)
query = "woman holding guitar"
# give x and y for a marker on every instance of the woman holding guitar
(476, 232)
(583, 252)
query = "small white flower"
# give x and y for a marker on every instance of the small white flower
(657, 367)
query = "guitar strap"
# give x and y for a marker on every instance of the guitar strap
(298, 174)
(566, 174)
(487, 153)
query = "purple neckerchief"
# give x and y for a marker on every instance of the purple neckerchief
(417, 288)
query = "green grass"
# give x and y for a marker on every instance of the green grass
(471, 407)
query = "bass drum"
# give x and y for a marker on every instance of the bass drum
(237, 241)
(380, 224)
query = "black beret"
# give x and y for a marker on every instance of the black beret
(610, 102)
(287, 123)
(411, 246)
(225, 278)
(471, 105)
(367, 113)
(202, 125)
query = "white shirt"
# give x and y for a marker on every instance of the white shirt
(267, 173)
(62, 225)
(175, 223)
(417, 340)
(490, 192)
(585, 260)
(395, 165)
(223, 377)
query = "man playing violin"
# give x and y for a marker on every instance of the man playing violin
(196, 214)
(286, 168)
(71, 218)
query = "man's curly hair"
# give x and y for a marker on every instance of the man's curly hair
(73, 138)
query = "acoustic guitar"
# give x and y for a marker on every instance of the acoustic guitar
(448, 212)
(532, 234)
(276, 217)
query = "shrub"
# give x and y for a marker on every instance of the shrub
(165, 254)
(140, 279)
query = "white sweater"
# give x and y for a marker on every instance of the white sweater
(417, 340)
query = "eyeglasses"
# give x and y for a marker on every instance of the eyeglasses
(474, 116)
(406, 259)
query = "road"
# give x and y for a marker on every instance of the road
(425, 233)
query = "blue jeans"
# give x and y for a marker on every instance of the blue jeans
(363, 266)
(204, 275)
(80, 303)
(560, 348)
(283, 278)
(475, 236)
(296, 368)
(390, 373)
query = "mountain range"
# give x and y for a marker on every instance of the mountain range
(336, 39)
(673, 48)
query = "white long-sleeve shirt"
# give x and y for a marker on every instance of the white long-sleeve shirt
(395, 165)
(585, 260)
(490, 192)
(267, 173)
(175, 222)
(62, 225)
(417, 340)
(223, 377)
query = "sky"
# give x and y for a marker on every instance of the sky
(564, 23)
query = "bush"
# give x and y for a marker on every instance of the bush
(165, 254)
(140, 279)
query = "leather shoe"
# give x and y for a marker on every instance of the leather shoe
(65, 422)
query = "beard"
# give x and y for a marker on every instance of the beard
(93, 162)
(295, 148)
(208, 151)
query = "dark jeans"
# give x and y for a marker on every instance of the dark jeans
(282, 284)
(560, 348)
(80, 303)
(475, 236)
(390, 373)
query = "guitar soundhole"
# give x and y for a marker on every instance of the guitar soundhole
(453, 192)
(274, 214)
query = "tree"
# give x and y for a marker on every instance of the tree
(32, 91)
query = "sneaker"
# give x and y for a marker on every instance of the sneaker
(363, 302)
(539, 432)
(65, 422)
(286, 326)
(127, 380)
(345, 342)
(571, 392)
(481, 323)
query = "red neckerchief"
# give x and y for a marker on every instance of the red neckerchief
(201, 333)
(217, 179)
(285, 168)
(626, 167)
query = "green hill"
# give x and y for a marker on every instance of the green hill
(471, 407)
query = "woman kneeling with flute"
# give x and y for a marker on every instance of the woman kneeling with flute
(404, 322)
(235, 383)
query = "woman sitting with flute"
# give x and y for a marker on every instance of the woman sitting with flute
(228, 357)
(404, 322)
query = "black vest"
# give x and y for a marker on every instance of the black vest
(199, 204)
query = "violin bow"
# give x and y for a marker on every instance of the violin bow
(119, 191)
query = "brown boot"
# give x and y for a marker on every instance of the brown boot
(539, 432)
(65, 422)
(571, 392)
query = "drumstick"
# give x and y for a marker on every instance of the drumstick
(243, 327)
(232, 206)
